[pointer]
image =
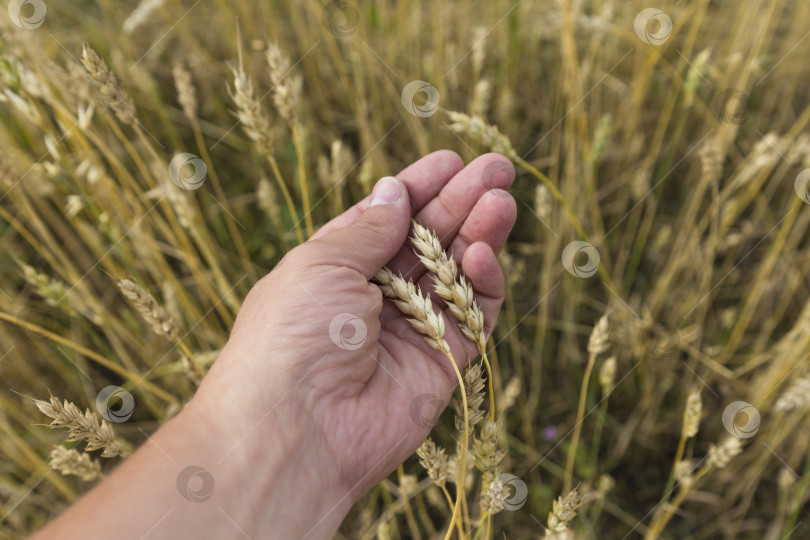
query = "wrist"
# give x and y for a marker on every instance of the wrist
(271, 466)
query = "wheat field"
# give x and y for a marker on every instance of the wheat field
(649, 373)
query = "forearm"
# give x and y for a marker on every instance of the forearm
(204, 475)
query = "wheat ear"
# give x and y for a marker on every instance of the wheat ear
(689, 428)
(185, 91)
(409, 300)
(457, 292)
(74, 462)
(156, 316)
(488, 458)
(434, 459)
(110, 90)
(82, 426)
(795, 397)
(256, 126)
(562, 512)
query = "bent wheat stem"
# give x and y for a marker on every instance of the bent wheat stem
(461, 473)
(597, 344)
(100, 360)
(287, 198)
(410, 301)
(302, 179)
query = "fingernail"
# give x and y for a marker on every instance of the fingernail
(387, 190)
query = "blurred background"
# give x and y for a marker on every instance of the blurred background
(663, 159)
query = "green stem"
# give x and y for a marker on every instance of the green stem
(287, 198)
(302, 178)
(572, 451)
(799, 498)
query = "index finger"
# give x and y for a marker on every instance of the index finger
(424, 179)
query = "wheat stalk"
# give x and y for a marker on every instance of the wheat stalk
(153, 313)
(286, 86)
(249, 112)
(563, 510)
(434, 459)
(286, 93)
(110, 90)
(457, 292)
(684, 473)
(689, 428)
(156, 316)
(73, 462)
(598, 343)
(410, 301)
(607, 375)
(450, 285)
(488, 135)
(691, 415)
(257, 127)
(720, 455)
(795, 397)
(99, 435)
(474, 388)
(185, 91)
(488, 458)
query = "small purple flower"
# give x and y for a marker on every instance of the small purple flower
(550, 432)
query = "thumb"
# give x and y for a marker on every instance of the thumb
(372, 239)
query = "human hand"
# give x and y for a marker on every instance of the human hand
(316, 338)
(300, 415)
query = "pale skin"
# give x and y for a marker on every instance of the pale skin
(292, 427)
